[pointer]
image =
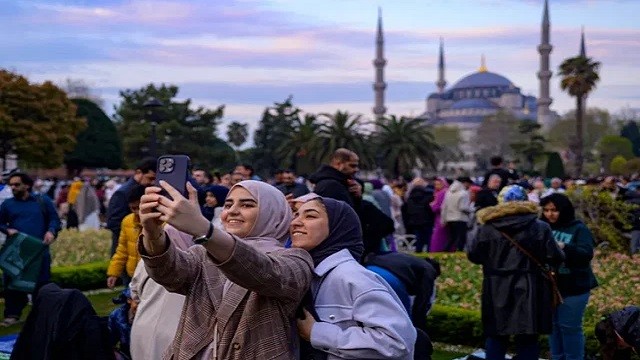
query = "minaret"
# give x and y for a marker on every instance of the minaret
(583, 48)
(441, 83)
(379, 63)
(544, 99)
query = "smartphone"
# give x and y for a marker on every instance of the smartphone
(174, 169)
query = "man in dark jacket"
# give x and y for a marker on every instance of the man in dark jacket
(497, 168)
(488, 196)
(145, 175)
(289, 186)
(337, 181)
(516, 296)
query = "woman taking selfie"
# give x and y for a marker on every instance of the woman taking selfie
(575, 277)
(241, 286)
(359, 315)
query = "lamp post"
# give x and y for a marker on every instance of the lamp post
(150, 106)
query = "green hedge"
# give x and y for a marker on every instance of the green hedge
(84, 277)
(456, 326)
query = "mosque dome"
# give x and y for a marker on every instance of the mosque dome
(475, 103)
(482, 79)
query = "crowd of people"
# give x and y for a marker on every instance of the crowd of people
(308, 267)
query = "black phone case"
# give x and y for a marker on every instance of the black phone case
(174, 169)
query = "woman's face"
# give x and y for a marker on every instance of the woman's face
(438, 185)
(551, 213)
(240, 212)
(210, 200)
(310, 225)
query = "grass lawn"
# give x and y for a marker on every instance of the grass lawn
(445, 355)
(101, 303)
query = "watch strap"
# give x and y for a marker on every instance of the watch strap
(204, 238)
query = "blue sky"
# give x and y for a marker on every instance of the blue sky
(248, 54)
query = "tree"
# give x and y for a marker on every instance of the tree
(533, 144)
(611, 146)
(449, 139)
(495, 135)
(579, 77)
(555, 166)
(597, 123)
(37, 121)
(631, 131)
(237, 133)
(404, 143)
(344, 130)
(276, 123)
(98, 146)
(618, 165)
(79, 89)
(181, 129)
(302, 146)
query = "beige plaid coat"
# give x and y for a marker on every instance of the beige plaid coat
(255, 317)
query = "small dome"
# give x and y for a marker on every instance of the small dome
(474, 104)
(482, 79)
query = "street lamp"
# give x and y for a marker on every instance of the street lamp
(151, 105)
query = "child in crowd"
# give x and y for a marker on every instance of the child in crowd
(126, 256)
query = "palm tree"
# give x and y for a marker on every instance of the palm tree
(237, 134)
(402, 143)
(302, 144)
(344, 130)
(579, 77)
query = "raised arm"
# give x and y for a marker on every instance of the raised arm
(284, 273)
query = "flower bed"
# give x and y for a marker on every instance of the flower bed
(460, 285)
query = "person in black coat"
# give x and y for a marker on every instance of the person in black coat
(418, 277)
(417, 216)
(619, 334)
(488, 196)
(337, 180)
(516, 296)
(63, 325)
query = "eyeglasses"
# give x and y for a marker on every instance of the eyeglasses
(15, 184)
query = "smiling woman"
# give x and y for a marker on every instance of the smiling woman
(350, 312)
(241, 286)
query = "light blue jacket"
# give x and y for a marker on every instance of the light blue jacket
(360, 315)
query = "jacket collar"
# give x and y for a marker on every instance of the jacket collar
(507, 209)
(332, 261)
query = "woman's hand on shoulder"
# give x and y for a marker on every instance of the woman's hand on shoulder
(182, 213)
(305, 325)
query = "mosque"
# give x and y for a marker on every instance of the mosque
(477, 95)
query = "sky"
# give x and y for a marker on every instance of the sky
(248, 54)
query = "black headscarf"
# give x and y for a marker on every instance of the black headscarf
(344, 231)
(564, 206)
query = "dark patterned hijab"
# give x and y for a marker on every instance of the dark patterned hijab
(345, 231)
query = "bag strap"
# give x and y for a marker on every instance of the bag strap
(549, 274)
(523, 250)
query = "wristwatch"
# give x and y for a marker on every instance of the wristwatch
(202, 239)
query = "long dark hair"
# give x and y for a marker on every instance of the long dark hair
(564, 206)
